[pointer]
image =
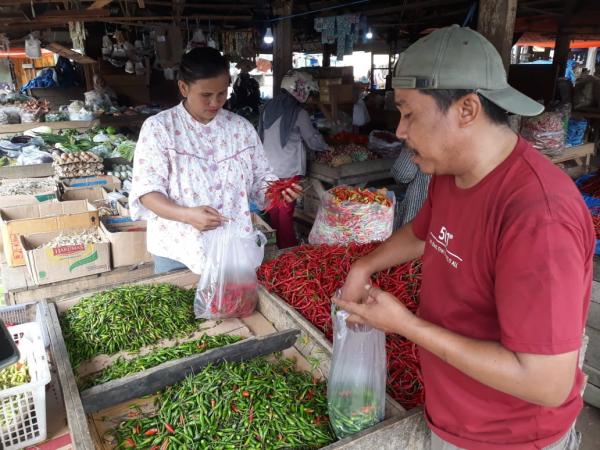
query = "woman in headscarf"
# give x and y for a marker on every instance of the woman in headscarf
(285, 128)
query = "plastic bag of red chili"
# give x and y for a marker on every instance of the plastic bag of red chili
(356, 387)
(228, 286)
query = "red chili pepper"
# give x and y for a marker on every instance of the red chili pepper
(251, 415)
(169, 428)
(245, 394)
(234, 408)
(129, 443)
(151, 432)
(304, 279)
(137, 429)
(276, 189)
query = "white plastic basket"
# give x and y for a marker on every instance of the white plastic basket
(27, 312)
(23, 408)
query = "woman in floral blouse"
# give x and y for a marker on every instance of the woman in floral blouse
(196, 166)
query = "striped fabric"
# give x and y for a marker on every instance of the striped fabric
(405, 171)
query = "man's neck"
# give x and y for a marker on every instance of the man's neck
(486, 152)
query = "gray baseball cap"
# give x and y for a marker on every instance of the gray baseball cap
(460, 58)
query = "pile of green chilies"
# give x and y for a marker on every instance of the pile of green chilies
(123, 367)
(126, 319)
(255, 404)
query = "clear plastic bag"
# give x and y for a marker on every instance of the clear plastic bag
(349, 221)
(228, 284)
(545, 132)
(385, 144)
(356, 386)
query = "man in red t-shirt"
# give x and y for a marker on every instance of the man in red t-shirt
(507, 246)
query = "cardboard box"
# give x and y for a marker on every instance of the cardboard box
(91, 194)
(41, 218)
(128, 240)
(109, 182)
(25, 199)
(52, 264)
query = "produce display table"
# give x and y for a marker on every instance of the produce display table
(354, 173)
(19, 287)
(296, 337)
(581, 154)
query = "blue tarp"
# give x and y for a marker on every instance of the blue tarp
(591, 202)
(44, 80)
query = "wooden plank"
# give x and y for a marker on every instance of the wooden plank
(17, 294)
(10, 130)
(99, 4)
(593, 374)
(579, 151)
(68, 53)
(409, 433)
(74, 14)
(151, 380)
(496, 21)
(76, 418)
(31, 171)
(592, 395)
(592, 357)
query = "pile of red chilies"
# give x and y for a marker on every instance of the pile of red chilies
(308, 276)
(595, 211)
(591, 186)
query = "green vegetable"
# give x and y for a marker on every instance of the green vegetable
(110, 130)
(126, 149)
(14, 375)
(122, 367)
(353, 410)
(127, 319)
(255, 404)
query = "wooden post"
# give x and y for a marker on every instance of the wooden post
(326, 55)
(561, 52)
(590, 62)
(497, 23)
(282, 47)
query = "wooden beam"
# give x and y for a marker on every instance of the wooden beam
(99, 4)
(72, 14)
(282, 46)
(370, 11)
(69, 54)
(152, 380)
(497, 23)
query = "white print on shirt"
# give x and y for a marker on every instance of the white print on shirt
(440, 244)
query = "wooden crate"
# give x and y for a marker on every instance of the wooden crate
(400, 429)
(354, 173)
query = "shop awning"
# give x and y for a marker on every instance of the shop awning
(545, 41)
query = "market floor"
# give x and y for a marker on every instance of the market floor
(588, 424)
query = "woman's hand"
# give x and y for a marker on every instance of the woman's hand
(292, 194)
(203, 218)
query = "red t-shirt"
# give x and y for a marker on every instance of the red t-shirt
(508, 260)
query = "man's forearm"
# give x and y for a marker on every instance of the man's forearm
(163, 206)
(399, 248)
(545, 380)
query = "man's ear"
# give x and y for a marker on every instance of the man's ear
(469, 109)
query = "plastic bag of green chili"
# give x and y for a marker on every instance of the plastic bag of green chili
(356, 387)
(228, 285)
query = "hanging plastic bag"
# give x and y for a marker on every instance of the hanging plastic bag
(356, 387)
(228, 285)
(360, 114)
(33, 47)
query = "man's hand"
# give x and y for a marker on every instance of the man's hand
(203, 218)
(353, 289)
(380, 310)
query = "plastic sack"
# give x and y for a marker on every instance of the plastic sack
(360, 114)
(348, 221)
(576, 132)
(385, 144)
(356, 386)
(33, 155)
(584, 93)
(228, 284)
(545, 132)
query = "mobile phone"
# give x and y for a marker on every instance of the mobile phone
(9, 353)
